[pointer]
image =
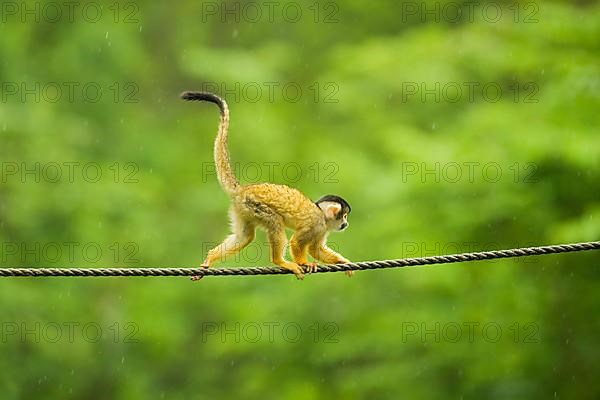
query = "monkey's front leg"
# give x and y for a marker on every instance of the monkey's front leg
(324, 254)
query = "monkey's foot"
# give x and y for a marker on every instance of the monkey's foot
(310, 266)
(290, 266)
(299, 274)
(198, 277)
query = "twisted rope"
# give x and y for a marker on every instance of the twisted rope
(358, 266)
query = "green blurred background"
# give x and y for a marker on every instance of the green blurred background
(368, 100)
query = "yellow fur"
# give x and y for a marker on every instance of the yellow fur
(271, 207)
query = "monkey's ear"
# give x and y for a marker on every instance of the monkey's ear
(330, 208)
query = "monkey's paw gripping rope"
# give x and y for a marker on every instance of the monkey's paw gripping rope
(358, 266)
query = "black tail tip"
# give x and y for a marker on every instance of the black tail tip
(205, 96)
(187, 95)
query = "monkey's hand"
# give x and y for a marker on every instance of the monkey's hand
(328, 256)
(343, 260)
(310, 266)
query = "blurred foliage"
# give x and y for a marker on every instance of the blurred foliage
(165, 208)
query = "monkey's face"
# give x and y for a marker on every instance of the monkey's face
(336, 214)
(344, 223)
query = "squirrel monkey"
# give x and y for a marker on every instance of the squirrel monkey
(273, 208)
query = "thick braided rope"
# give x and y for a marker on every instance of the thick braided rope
(359, 266)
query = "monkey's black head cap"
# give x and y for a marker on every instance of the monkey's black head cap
(337, 199)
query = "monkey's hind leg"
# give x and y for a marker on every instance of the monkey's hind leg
(299, 248)
(278, 241)
(243, 234)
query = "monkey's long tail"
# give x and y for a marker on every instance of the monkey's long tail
(225, 174)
